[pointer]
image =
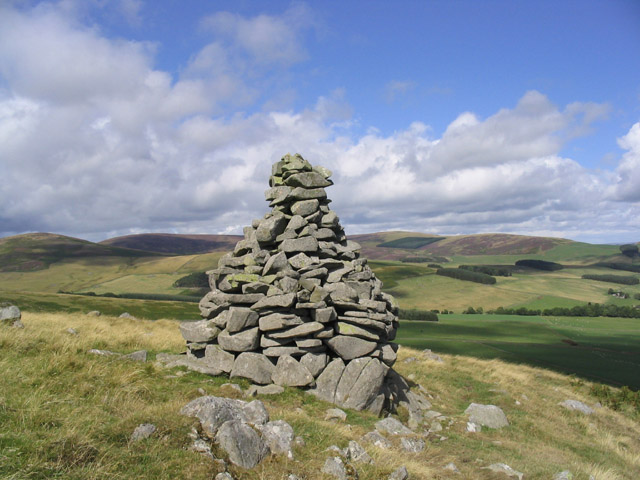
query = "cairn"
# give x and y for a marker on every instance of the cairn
(295, 305)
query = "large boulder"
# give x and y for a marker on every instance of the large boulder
(10, 315)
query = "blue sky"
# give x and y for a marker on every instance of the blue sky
(445, 117)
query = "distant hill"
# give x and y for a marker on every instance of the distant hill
(175, 244)
(389, 245)
(36, 251)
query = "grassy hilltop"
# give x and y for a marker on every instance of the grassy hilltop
(68, 414)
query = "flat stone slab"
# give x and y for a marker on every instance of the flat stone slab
(577, 405)
(254, 366)
(348, 348)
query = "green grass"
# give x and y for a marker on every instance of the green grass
(66, 414)
(147, 309)
(608, 349)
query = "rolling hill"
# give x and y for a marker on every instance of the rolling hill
(174, 244)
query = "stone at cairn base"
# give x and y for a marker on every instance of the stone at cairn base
(294, 304)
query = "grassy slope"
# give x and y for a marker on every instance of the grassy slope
(67, 414)
(175, 244)
(607, 350)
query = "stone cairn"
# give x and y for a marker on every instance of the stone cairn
(295, 305)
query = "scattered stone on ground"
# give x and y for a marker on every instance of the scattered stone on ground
(254, 390)
(71, 331)
(143, 431)
(224, 476)
(452, 467)
(357, 454)
(241, 429)
(335, 467)
(104, 353)
(577, 405)
(487, 415)
(138, 356)
(473, 427)
(506, 469)
(564, 475)
(127, 315)
(336, 414)
(432, 356)
(10, 315)
(376, 439)
(399, 473)
(392, 426)
(94, 313)
(412, 445)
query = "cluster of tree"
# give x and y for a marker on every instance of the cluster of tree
(630, 250)
(473, 311)
(588, 310)
(636, 296)
(421, 315)
(495, 270)
(621, 279)
(539, 264)
(193, 280)
(434, 265)
(424, 259)
(618, 293)
(467, 275)
(621, 266)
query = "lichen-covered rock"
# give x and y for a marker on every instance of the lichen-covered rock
(254, 366)
(487, 415)
(242, 443)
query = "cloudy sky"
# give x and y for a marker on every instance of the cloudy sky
(445, 117)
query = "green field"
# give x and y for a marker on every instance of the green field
(602, 349)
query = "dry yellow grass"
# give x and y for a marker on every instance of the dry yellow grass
(68, 414)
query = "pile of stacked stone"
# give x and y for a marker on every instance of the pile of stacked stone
(294, 304)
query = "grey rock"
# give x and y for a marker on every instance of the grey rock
(376, 439)
(432, 356)
(399, 473)
(276, 263)
(289, 372)
(241, 318)
(272, 389)
(94, 313)
(278, 435)
(357, 454)
(307, 180)
(143, 431)
(127, 315)
(223, 476)
(324, 315)
(564, 475)
(103, 353)
(298, 331)
(451, 467)
(214, 355)
(280, 351)
(577, 405)
(242, 443)
(270, 228)
(506, 469)
(328, 380)
(349, 348)
(71, 331)
(137, 356)
(244, 341)
(255, 413)
(344, 328)
(315, 362)
(335, 467)
(254, 366)
(487, 415)
(199, 331)
(277, 321)
(412, 445)
(392, 426)
(305, 208)
(360, 383)
(212, 412)
(301, 193)
(335, 414)
(276, 301)
(302, 244)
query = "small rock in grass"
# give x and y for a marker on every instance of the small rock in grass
(564, 475)
(94, 313)
(224, 476)
(335, 414)
(452, 467)
(127, 315)
(272, 389)
(143, 431)
(399, 474)
(487, 415)
(335, 467)
(392, 426)
(577, 405)
(506, 469)
(473, 427)
(138, 356)
(358, 454)
(71, 331)
(377, 440)
(412, 445)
